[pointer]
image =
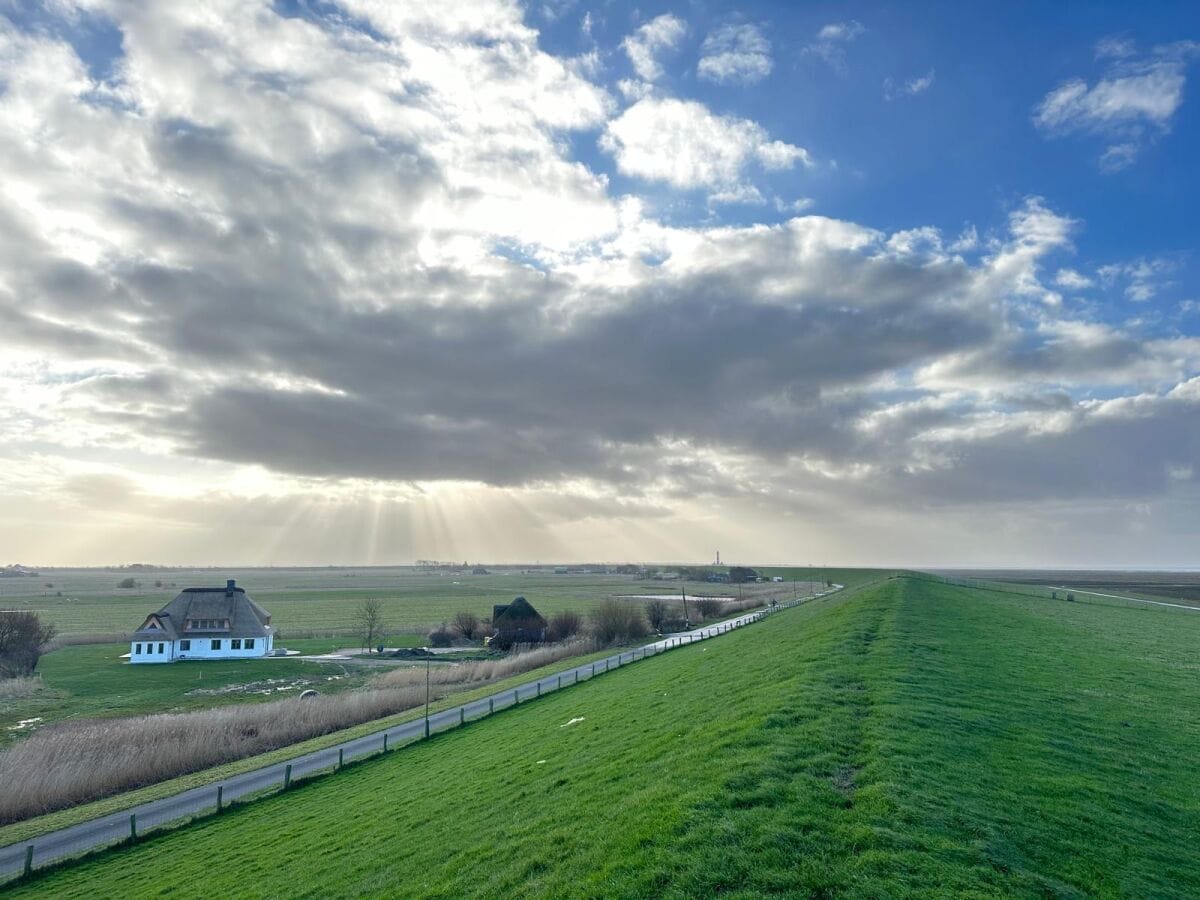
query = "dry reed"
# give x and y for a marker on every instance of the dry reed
(19, 688)
(67, 764)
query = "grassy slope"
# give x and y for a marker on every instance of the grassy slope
(29, 829)
(917, 738)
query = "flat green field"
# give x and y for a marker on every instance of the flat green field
(320, 601)
(93, 680)
(914, 739)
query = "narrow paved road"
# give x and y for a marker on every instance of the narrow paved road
(1132, 599)
(116, 827)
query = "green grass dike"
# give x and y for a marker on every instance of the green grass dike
(915, 739)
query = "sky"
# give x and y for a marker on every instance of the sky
(364, 282)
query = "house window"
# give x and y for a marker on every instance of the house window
(249, 645)
(216, 645)
(235, 644)
(137, 648)
(160, 648)
(185, 645)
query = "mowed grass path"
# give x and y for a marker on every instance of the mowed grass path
(914, 739)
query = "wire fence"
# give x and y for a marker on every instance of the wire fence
(23, 858)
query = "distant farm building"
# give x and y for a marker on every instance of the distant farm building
(517, 623)
(204, 623)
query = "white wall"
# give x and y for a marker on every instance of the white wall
(150, 652)
(201, 648)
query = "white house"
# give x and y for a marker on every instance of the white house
(204, 623)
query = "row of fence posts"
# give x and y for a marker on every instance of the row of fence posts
(722, 628)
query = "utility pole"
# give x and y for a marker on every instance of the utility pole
(687, 623)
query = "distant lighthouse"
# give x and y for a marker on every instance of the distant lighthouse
(718, 562)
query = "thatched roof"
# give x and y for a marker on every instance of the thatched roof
(519, 614)
(207, 605)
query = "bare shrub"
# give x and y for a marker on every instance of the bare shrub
(707, 607)
(658, 611)
(441, 636)
(564, 625)
(466, 624)
(19, 688)
(615, 621)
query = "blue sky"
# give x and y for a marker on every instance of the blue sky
(364, 282)
(961, 152)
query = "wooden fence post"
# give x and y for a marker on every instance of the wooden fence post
(491, 706)
(462, 715)
(133, 826)
(385, 742)
(539, 689)
(220, 791)
(287, 777)
(29, 859)
(516, 698)
(341, 758)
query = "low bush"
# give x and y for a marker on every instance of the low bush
(19, 688)
(563, 626)
(614, 621)
(658, 612)
(466, 624)
(441, 637)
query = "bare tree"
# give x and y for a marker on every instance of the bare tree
(466, 624)
(22, 638)
(368, 619)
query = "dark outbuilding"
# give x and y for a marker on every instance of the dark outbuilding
(517, 623)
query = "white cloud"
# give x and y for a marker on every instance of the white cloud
(800, 204)
(740, 54)
(1143, 278)
(1115, 47)
(350, 289)
(647, 42)
(1134, 101)
(686, 145)
(842, 32)
(967, 240)
(909, 88)
(831, 41)
(1072, 280)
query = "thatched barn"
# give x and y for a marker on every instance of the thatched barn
(516, 623)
